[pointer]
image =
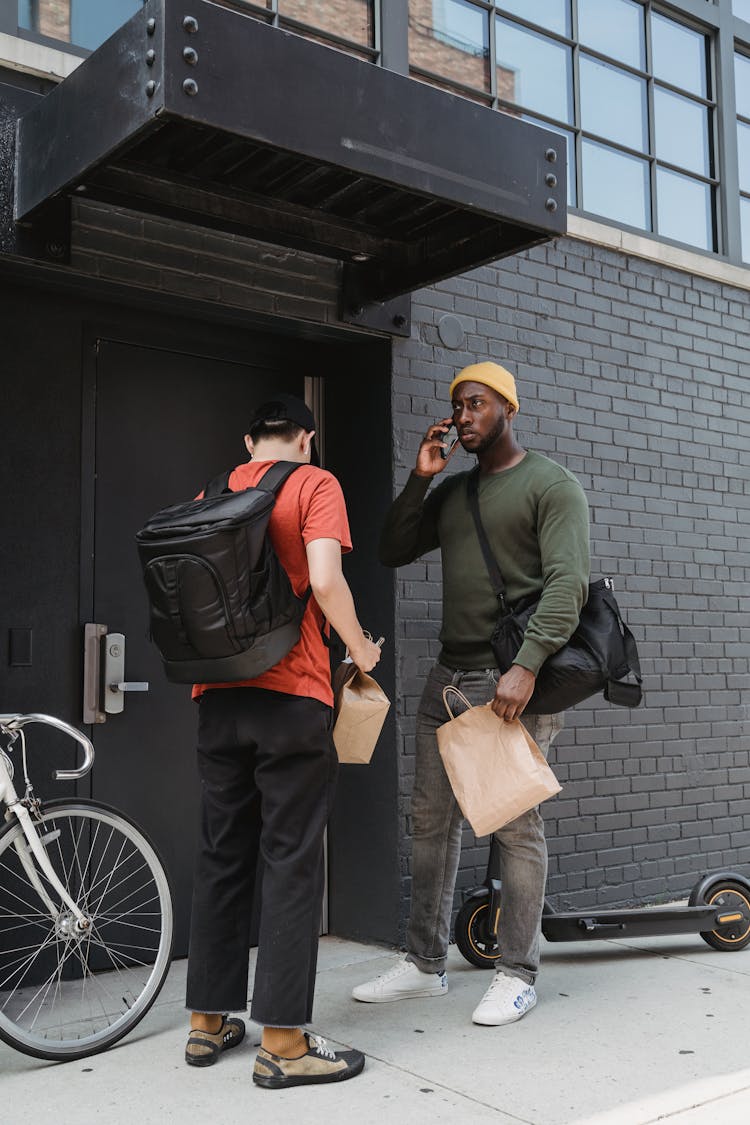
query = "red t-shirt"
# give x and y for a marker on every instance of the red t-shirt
(309, 506)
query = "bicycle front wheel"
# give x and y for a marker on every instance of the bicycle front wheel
(68, 991)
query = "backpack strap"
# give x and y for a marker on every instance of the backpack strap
(217, 485)
(496, 578)
(271, 481)
(276, 474)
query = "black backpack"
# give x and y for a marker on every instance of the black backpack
(222, 606)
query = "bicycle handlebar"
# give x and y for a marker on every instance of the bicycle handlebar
(15, 722)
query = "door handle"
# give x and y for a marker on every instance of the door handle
(115, 684)
(104, 683)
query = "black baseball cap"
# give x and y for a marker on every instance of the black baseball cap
(287, 408)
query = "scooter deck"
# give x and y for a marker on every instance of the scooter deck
(650, 922)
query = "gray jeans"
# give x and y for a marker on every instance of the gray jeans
(436, 829)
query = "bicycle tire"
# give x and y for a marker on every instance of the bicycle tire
(57, 999)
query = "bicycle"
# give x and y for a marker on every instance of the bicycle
(86, 915)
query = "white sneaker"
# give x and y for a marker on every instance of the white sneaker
(506, 1000)
(403, 982)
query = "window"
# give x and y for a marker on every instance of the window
(83, 23)
(345, 21)
(742, 87)
(87, 23)
(628, 86)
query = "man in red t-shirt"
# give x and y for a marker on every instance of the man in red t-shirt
(268, 769)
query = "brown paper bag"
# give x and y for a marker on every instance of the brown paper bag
(496, 770)
(360, 708)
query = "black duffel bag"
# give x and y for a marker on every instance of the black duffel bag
(600, 655)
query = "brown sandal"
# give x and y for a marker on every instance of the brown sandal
(204, 1047)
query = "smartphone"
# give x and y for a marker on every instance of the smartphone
(445, 453)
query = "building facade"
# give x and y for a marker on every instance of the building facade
(132, 348)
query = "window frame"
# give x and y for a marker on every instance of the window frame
(725, 33)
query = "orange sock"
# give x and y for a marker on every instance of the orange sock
(288, 1042)
(206, 1021)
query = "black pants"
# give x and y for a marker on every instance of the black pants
(268, 772)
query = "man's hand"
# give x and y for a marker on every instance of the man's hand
(365, 654)
(430, 460)
(513, 692)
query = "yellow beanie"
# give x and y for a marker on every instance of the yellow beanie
(490, 375)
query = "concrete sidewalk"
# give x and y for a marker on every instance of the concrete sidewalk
(625, 1033)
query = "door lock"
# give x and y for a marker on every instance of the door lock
(104, 683)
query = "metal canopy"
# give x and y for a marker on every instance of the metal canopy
(205, 114)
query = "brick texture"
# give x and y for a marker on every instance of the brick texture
(635, 377)
(174, 258)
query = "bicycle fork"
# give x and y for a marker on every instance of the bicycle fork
(31, 844)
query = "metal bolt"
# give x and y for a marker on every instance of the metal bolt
(399, 320)
(190, 87)
(150, 26)
(551, 204)
(551, 155)
(190, 55)
(190, 24)
(550, 179)
(356, 310)
(150, 58)
(55, 249)
(114, 650)
(150, 88)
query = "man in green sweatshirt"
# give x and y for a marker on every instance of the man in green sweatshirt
(536, 518)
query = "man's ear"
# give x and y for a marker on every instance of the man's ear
(306, 442)
(249, 444)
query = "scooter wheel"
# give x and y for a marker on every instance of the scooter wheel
(472, 933)
(732, 900)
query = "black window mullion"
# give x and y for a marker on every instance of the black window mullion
(493, 56)
(8, 17)
(651, 123)
(577, 142)
(728, 201)
(393, 34)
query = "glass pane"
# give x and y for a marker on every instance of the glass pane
(681, 128)
(613, 104)
(679, 55)
(554, 14)
(93, 21)
(745, 218)
(614, 27)
(534, 71)
(743, 155)
(572, 198)
(85, 23)
(741, 8)
(451, 38)
(352, 20)
(742, 83)
(684, 209)
(615, 185)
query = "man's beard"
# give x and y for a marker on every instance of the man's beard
(492, 438)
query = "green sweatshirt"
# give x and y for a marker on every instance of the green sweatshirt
(536, 519)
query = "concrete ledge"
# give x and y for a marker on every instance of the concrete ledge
(36, 58)
(641, 246)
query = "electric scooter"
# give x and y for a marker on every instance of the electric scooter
(718, 909)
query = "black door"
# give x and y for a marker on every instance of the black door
(165, 422)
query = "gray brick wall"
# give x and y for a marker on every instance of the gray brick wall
(177, 259)
(635, 377)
